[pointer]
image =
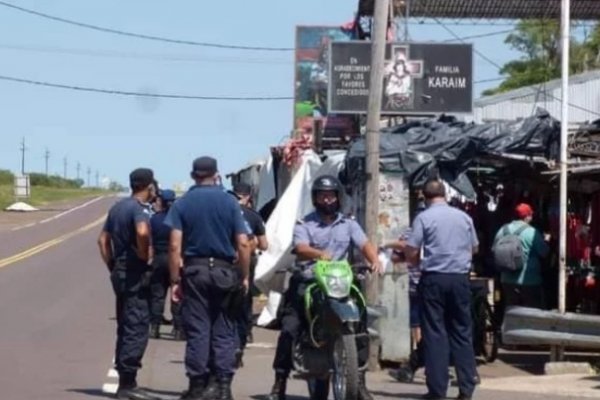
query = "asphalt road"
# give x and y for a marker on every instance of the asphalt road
(57, 335)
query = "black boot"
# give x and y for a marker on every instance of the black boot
(211, 389)
(195, 391)
(224, 389)
(128, 389)
(155, 331)
(363, 392)
(279, 388)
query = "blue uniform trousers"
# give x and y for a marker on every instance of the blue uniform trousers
(159, 286)
(130, 282)
(447, 329)
(207, 321)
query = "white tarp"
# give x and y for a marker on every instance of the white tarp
(266, 184)
(294, 204)
(21, 207)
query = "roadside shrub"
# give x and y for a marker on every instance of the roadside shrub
(6, 177)
(54, 181)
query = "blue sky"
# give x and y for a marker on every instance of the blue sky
(115, 134)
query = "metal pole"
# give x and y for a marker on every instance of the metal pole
(23, 148)
(564, 132)
(47, 158)
(378, 44)
(65, 165)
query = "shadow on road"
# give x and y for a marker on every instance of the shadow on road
(91, 393)
(264, 397)
(396, 395)
(533, 362)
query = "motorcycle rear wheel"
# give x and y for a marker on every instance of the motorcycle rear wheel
(345, 368)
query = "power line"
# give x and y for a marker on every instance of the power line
(486, 58)
(180, 58)
(140, 35)
(501, 78)
(479, 36)
(142, 56)
(141, 94)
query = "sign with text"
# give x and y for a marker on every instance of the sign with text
(419, 78)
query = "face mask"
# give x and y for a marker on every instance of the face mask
(328, 209)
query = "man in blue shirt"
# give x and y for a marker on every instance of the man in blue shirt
(448, 239)
(125, 249)
(325, 234)
(159, 283)
(209, 231)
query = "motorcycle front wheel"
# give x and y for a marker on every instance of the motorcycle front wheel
(345, 368)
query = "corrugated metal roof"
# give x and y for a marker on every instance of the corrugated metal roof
(490, 9)
(584, 101)
(537, 90)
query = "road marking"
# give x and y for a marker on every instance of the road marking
(112, 373)
(79, 207)
(110, 388)
(44, 221)
(18, 228)
(46, 245)
(260, 345)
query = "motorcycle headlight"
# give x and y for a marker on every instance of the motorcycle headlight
(338, 286)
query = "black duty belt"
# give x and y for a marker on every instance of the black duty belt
(207, 261)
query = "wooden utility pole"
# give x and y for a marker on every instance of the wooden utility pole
(23, 149)
(47, 159)
(378, 43)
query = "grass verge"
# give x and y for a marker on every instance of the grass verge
(41, 195)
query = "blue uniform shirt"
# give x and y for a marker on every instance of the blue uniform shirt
(209, 219)
(120, 224)
(160, 233)
(335, 239)
(447, 236)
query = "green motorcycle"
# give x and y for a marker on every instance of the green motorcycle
(336, 315)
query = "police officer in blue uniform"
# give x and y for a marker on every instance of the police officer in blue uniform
(325, 234)
(449, 240)
(125, 249)
(258, 243)
(160, 282)
(209, 230)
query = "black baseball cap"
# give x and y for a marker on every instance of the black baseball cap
(204, 167)
(141, 177)
(243, 189)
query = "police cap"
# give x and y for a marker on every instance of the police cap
(242, 189)
(204, 167)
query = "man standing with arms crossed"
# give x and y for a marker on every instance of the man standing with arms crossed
(209, 231)
(449, 240)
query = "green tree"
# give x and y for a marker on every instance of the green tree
(539, 43)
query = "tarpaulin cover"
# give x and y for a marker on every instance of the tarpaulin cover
(421, 149)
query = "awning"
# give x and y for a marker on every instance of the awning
(489, 9)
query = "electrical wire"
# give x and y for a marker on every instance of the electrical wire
(481, 35)
(140, 94)
(142, 56)
(499, 67)
(140, 35)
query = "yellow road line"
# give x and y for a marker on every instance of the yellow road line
(46, 245)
